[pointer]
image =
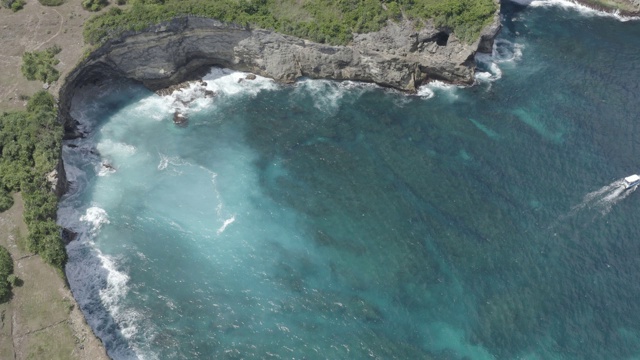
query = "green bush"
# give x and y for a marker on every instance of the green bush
(51, 2)
(6, 269)
(39, 65)
(17, 5)
(13, 280)
(94, 5)
(6, 200)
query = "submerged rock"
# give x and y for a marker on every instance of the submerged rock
(180, 119)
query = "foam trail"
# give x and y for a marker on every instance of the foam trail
(604, 198)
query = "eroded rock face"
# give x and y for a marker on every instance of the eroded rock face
(397, 56)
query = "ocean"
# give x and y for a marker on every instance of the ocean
(340, 220)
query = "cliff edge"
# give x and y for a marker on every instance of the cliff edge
(398, 56)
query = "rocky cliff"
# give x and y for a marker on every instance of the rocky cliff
(398, 56)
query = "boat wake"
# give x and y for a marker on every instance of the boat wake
(603, 199)
(596, 204)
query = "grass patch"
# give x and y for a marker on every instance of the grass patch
(324, 21)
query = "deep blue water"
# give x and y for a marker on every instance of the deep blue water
(341, 220)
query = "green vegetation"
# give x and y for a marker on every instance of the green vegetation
(30, 143)
(94, 5)
(51, 2)
(6, 270)
(6, 201)
(39, 65)
(14, 5)
(465, 17)
(324, 21)
(17, 5)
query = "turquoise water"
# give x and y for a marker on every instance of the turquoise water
(341, 220)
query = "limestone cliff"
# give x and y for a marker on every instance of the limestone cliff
(398, 56)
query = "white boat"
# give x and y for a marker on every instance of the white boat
(631, 181)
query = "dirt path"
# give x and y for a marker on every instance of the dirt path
(54, 35)
(42, 320)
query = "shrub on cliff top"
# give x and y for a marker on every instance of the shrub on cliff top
(39, 65)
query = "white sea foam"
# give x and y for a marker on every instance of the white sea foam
(229, 82)
(109, 147)
(582, 9)
(226, 223)
(157, 108)
(425, 92)
(96, 217)
(430, 89)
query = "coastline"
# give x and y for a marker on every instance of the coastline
(69, 68)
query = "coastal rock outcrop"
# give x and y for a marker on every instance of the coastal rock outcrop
(399, 56)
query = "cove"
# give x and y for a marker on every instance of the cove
(342, 220)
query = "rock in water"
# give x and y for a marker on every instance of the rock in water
(180, 119)
(68, 235)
